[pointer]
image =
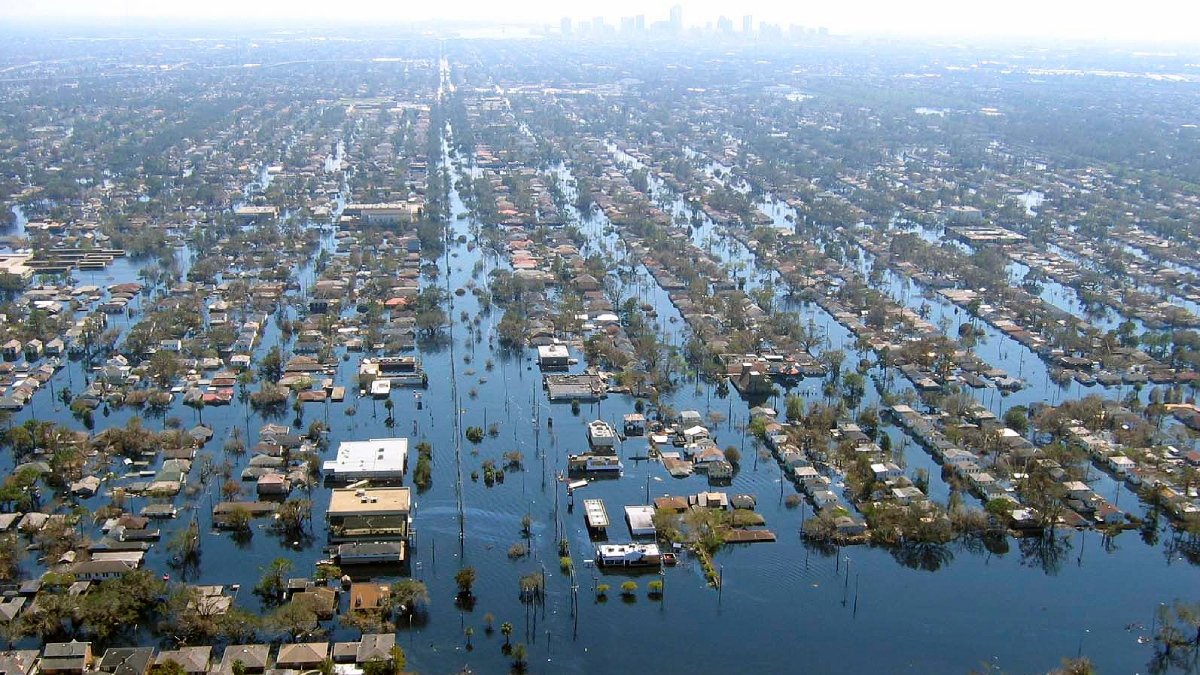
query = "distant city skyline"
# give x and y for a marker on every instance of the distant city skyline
(1145, 21)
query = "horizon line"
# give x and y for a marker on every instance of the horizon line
(550, 30)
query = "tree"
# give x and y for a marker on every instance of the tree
(465, 578)
(273, 581)
(506, 630)
(231, 490)
(513, 329)
(295, 516)
(237, 519)
(1017, 419)
(295, 619)
(54, 608)
(668, 524)
(733, 455)
(168, 667)
(189, 618)
(532, 585)
(1078, 666)
(423, 473)
(409, 596)
(854, 385)
(17, 490)
(11, 553)
(377, 666)
(119, 604)
(398, 659)
(706, 528)
(56, 538)
(164, 367)
(185, 545)
(795, 407)
(431, 321)
(758, 428)
(270, 369)
(519, 656)
(393, 665)
(238, 625)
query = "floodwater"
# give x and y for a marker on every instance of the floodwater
(784, 606)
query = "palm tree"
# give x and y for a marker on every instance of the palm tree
(519, 654)
(465, 578)
(506, 630)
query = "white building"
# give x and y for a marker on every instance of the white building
(385, 214)
(376, 459)
(553, 356)
(641, 520)
(601, 434)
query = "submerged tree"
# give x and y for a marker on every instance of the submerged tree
(273, 581)
(465, 579)
(409, 596)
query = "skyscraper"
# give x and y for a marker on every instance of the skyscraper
(677, 19)
(747, 24)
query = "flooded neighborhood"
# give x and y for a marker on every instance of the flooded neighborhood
(380, 351)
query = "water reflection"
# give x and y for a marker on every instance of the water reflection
(1045, 553)
(924, 556)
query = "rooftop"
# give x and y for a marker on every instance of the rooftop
(380, 500)
(374, 458)
(552, 351)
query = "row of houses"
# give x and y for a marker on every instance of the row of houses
(1161, 469)
(77, 658)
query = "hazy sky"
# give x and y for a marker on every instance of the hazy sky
(1139, 20)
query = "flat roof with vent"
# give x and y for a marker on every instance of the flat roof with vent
(375, 459)
(372, 500)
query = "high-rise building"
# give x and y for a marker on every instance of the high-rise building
(747, 24)
(564, 25)
(677, 19)
(639, 23)
(724, 25)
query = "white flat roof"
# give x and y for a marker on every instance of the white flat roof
(600, 429)
(550, 351)
(377, 457)
(640, 518)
